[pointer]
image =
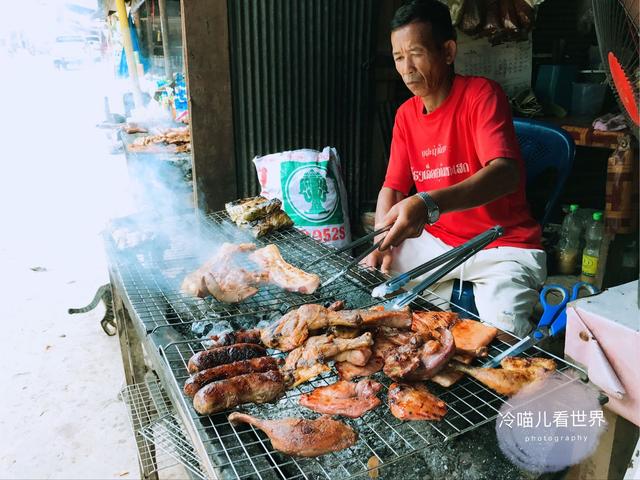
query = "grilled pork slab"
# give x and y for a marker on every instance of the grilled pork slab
(284, 274)
(249, 388)
(344, 398)
(222, 355)
(255, 365)
(301, 437)
(415, 402)
(472, 337)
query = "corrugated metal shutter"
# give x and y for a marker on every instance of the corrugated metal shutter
(301, 78)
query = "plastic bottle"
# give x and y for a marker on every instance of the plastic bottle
(591, 252)
(569, 244)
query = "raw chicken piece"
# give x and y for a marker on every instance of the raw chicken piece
(414, 402)
(508, 381)
(472, 337)
(344, 398)
(301, 437)
(284, 274)
(349, 371)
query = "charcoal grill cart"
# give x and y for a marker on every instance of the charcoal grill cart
(159, 329)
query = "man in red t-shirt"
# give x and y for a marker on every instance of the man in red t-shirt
(454, 141)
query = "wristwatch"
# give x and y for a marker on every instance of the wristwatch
(433, 211)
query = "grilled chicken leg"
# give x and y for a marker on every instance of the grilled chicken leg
(415, 402)
(515, 374)
(301, 437)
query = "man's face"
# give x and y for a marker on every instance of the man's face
(423, 66)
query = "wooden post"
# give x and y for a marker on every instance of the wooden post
(164, 28)
(205, 40)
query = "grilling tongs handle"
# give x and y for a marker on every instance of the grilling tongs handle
(461, 255)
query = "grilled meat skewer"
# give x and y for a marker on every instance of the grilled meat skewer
(301, 437)
(415, 402)
(255, 365)
(249, 388)
(223, 355)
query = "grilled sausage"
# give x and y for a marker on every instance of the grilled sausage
(223, 355)
(255, 365)
(248, 388)
(239, 336)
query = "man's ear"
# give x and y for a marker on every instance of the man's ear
(450, 51)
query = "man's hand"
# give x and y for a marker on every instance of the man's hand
(378, 259)
(409, 216)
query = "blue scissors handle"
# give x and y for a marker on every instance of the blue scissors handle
(561, 320)
(551, 311)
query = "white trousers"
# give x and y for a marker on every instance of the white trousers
(506, 280)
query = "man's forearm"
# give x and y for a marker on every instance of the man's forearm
(499, 178)
(387, 198)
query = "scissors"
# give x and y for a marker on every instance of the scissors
(553, 321)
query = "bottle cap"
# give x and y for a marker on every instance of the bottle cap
(573, 207)
(597, 216)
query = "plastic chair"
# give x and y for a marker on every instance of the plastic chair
(546, 149)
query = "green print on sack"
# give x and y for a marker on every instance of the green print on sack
(310, 193)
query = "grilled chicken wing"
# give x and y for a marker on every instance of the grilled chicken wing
(223, 355)
(301, 437)
(255, 365)
(251, 387)
(284, 274)
(415, 402)
(510, 379)
(349, 371)
(292, 330)
(344, 398)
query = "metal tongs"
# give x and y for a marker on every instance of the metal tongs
(450, 260)
(354, 244)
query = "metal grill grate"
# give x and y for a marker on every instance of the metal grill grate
(151, 268)
(241, 452)
(167, 435)
(146, 402)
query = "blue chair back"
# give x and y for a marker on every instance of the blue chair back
(544, 148)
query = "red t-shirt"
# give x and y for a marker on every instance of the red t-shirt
(472, 127)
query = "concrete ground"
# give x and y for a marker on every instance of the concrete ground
(60, 375)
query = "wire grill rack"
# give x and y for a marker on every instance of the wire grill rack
(151, 266)
(147, 404)
(242, 452)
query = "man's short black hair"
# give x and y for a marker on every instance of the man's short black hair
(432, 11)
